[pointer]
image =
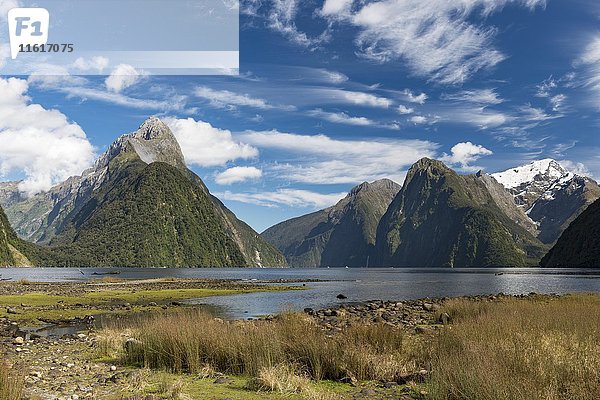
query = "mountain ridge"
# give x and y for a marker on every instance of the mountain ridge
(111, 214)
(550, 194)
(440, 218)
(340, 235)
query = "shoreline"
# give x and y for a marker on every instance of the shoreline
(69, 367)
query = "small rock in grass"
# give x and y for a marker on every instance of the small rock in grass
(19, 340)
(113, 367)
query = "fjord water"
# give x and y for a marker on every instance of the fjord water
(358, 284)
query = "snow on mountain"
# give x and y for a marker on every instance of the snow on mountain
(548, 170)
(550, 194)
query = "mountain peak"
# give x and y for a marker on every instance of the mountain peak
(547, 169)
(378, 185)
(152, 128)
(153, 142)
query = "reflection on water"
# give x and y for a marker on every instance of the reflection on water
(359, 284)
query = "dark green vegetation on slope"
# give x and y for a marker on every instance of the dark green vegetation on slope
(139, 206)
(150, 216)
(14, 251)
(579, 245)
(337, 236)
(440, 218)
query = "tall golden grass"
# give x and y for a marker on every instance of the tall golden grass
(519, 350)
(11, 385)
(189, 341)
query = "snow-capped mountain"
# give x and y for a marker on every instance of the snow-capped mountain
(550, 194)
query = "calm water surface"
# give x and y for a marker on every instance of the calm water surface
(358, 284)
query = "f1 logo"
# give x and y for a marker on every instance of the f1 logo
(28, 26)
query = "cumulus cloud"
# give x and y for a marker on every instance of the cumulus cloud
(41, 144)
(405, 110)
(439, 40)
(418, 120)
(464, 154)
(122, 77)
(206, 146)
(320, 159)
(237, 175)
(415, 98)
(287, 197)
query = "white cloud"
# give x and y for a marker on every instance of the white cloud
(96, 64)
(418, 120)
(405, 110)
(463, 154)
(415, 98)
(6, 6)
(336, 8)
(320, 159)
(237, 175)
(281, 19)
(576, 168)
(365, 99)
(334, 76)
(534, 114)
(545, 88)
(175, 102)
(341, 118)
(557, 102)
(122, 77)
(226, 98)
(477, 96)
(590, 59)
(287, 197)
(440, 40)
(480, 117)
(207, 146)
(42, 144)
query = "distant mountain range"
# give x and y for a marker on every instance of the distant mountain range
(440, 218)
(551, 195)
(138, 206)
(337, 236)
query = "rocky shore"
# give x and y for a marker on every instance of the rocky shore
(414, 316)
(69, 368)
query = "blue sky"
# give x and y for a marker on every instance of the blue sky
(333, 93)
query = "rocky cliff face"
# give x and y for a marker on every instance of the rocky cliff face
(550, 194)
(124, 211)
(342, 235)
(440, 218)
(579, 245)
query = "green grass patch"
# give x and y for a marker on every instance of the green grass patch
(62, 307)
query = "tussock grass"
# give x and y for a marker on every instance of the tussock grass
(288, 379)
(191, 341)
(11, 385)
(519, 349)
